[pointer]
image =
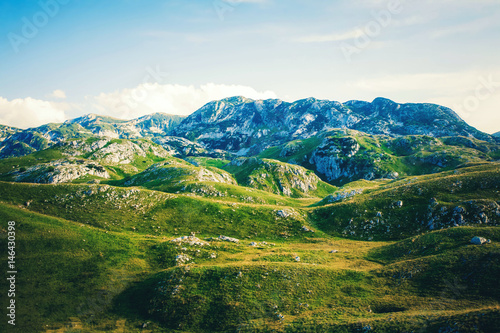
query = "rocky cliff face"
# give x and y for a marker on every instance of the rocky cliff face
(340, 158)
(246, 127)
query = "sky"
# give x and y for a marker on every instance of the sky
(60, 59)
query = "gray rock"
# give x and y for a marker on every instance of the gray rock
(479, 240)
(342, 195)
(228, 239)
(284, 213)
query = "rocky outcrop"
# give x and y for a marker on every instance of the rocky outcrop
(111, 151)
(336, 197)
(60, 171)
(181, 147)
(190, 240)
(339, 158)
(176, 171)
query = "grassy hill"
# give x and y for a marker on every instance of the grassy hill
(278, 177)
(123, 281)
(414, 205)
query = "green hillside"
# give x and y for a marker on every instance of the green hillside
(117, 235)
(414, 205)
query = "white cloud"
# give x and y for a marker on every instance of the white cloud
(355, 33)
(174, 99)
(475, 27)
(29, 112)
(413, 20)
(132, 103)
(422, 82)
(58, 94)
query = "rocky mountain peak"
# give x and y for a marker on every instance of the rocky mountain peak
(246, 126)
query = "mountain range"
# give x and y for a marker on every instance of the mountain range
(246, 127)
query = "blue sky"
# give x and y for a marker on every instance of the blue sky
(127, 58)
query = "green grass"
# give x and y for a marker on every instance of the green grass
(208, 162)
(13, 163)
(102, 280)
(118, 209)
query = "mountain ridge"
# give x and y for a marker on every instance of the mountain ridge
(246, 127)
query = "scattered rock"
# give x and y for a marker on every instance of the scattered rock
(284, 213)
(228, 239)
(479, 240)
(181, 259)
(306, 229)
(334, 251)
(191, 240)
(342, 195)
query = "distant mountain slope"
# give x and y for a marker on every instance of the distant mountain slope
(247, 126)
(157, 124)
(24, 142)
(5, 131)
